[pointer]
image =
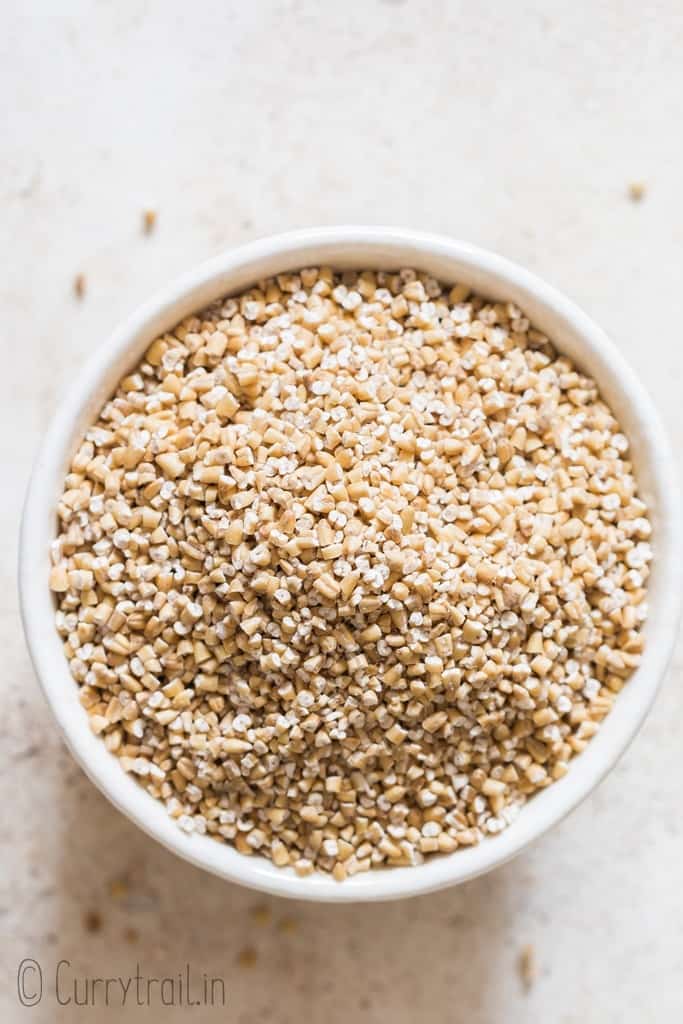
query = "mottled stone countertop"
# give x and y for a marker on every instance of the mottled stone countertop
(518, 126)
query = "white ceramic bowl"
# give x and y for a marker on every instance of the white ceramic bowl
(355, 247)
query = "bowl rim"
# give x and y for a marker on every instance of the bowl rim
(290, 250)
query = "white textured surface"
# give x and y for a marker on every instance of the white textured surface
(516, 126)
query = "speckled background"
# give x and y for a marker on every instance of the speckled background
(518, 126)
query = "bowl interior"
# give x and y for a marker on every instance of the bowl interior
(360, 248)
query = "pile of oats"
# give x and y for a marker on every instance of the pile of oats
(349, 567)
